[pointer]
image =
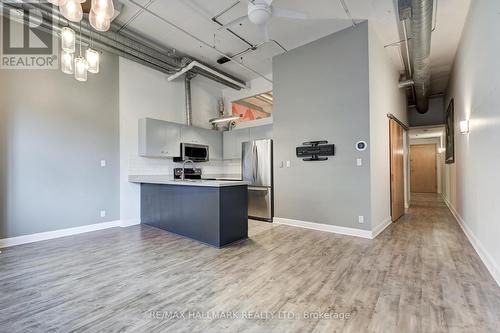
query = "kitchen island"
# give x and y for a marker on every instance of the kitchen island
(210, 211)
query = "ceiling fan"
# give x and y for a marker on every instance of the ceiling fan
(261, 11)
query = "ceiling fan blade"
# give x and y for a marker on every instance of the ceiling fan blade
(286, 13)
(265, 32)
(234, 22)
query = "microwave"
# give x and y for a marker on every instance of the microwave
(193, 152)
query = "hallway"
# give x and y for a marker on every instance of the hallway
(420, 275)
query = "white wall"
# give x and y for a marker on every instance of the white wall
(385, 97)
(147, 93)
(472, 183)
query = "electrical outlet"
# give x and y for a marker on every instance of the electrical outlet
(103, 213)
(361, 219)
(103, 163)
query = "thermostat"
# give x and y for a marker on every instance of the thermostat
(361, 145)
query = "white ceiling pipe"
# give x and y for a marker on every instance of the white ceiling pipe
(194, 64)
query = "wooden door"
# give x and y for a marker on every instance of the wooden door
(396, 133)
(423, 168)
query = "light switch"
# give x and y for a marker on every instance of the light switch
(359, 162)
(288, 164)
(361, 219)
(103, 213)
(103, 163)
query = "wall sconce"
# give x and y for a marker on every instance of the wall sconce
(464, 127)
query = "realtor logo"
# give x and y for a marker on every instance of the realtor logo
(27, 39)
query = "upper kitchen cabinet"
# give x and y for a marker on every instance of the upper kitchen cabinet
(158, 138)
(232, 141)
(261, 132)
(203, 136)
(190, 134)
(214, 141)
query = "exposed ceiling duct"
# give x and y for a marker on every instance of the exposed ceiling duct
(421, 28)
(195, 65)
(123, 43)
(189, 103)
(419, 13)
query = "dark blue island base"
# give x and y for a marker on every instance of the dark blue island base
(217, 216)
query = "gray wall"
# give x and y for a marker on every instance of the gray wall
(472, 183)
(321, 92)
(54, 131)
(435, 115)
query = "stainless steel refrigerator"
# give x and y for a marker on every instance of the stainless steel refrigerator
(257, 169)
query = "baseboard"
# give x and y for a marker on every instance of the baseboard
(485, 256)
(8, 242)
(381, 227)
(325, 227)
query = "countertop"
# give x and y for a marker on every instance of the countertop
(169, 180)
(221, 176)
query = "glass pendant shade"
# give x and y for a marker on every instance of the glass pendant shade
(92, 57)
(103, 8)
(57, 2)
(68, 40)
(67, 62)
(81, 68)
(98, 21)
(72, 10)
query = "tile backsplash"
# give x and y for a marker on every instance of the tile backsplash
(165, 166)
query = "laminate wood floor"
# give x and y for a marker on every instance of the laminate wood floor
(420, 275)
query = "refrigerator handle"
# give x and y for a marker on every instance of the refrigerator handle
(254, 157)
(256, 163)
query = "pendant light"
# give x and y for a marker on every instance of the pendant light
(72, 10)
(81, 65)
(67, 62)
(103, 8)
(92, 57)
(68, 40)
(81, 68)
(99, 21)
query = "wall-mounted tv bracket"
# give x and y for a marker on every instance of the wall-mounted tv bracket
(315, 151)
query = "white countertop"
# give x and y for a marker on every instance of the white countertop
(169, 180)
(221, 176)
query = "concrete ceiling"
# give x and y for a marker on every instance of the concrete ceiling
(326, 17)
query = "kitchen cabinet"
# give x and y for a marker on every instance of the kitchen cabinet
(158, 138)
(261, 132)
(232, 141)
(203, 136)
(214, 140)
(190, 134)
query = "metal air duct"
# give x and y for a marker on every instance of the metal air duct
(421, 30)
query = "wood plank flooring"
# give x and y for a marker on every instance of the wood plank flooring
(420, 275)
